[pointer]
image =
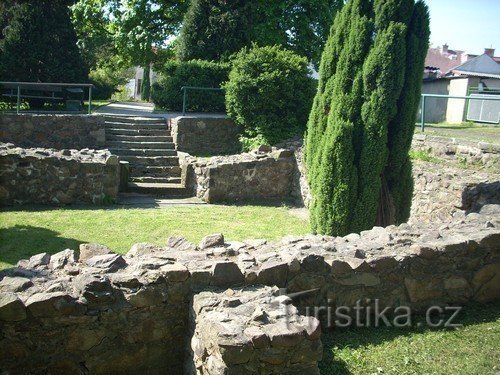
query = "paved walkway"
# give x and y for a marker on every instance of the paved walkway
(139, 109)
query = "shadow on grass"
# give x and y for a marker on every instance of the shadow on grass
(23, 241)
(355, 338)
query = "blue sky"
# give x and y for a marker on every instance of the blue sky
(469, 25)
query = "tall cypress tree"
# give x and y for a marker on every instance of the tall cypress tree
(398, 170)
(358, 115)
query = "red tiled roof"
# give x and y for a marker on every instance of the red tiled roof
(445, 62)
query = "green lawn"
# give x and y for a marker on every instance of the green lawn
(28, 231)
(471, 349)
(468, 131)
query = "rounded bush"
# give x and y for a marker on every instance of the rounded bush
(269, 93)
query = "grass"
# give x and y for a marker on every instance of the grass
(28, 231)
(468, 131)
(473, 348)
(57, 107)
(424, 156)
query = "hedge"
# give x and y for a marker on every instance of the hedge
(166, 93)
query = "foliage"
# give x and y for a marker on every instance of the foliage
(107, 80)
(133, 30)
(215, 29)
(269, 93)
(31, 231)
(167, 93)
(360, 127)
(39, 43)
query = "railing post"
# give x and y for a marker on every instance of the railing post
(184, 101)
(422, 125)
(18, 106)
(90, 100)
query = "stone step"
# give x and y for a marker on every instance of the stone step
(156, 171)
(141, 152)
(156, 180)
(159, 190)
(139, 138)
(151, 160)
(141, 145)
(134, 131)
(122, 125)
(135, 120)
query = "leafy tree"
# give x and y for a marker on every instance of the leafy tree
(39, 43)
(215, 29)
(360, 127)
(133, 29)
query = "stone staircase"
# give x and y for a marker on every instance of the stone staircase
(147, 144)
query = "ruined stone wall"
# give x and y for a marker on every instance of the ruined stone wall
(464, 153)
(212, 135)
(100, 312)
(259, 176)
(442, 192)
(48, 176)
(53, 131)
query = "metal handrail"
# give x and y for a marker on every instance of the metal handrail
(19, 85)
(184, 95)
(466, 97)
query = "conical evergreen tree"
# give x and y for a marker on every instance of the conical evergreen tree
(359, 114)
(39, 43)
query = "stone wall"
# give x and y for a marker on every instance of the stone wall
(442, 192)
(250, 331)
(213, 135)
(49, 176)
(463, 153)
(99, 312)
(264, 175)
(53, 131)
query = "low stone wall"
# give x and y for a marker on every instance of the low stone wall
(49, 176)
(250, 331)
(442, 192)
(262, 176)
(206, 135)
(479, 154)
(53, 131)
(105, 313)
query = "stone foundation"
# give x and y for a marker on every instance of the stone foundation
(53, 131)
(259, 176)
(98, 312)
(478, 154)
(442, 192)
(252, 331)
(48, 176)
(206, 135)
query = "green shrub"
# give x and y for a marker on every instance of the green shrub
(269, 93)
(107, 80)
(166, 93)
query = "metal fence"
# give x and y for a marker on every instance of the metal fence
(72, 94)
(475, 107)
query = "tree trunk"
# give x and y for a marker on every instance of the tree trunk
(146, 84)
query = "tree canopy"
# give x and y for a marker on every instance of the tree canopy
(215, 29)
(39, 42)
